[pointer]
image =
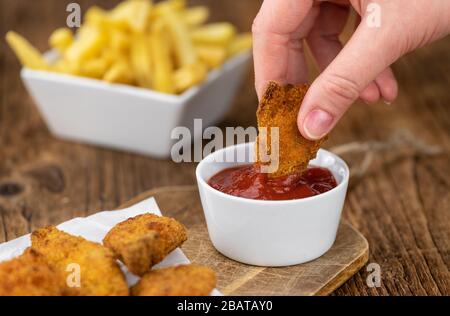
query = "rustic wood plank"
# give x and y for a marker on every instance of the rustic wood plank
(401, 205)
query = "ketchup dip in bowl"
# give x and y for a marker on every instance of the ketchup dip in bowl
(266, 230)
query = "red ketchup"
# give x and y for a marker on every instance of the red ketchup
(247, 182)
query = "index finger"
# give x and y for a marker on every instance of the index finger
(277, 42)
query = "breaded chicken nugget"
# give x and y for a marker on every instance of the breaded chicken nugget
(279, 107)
(143, 241)
(183, 280)
(29, 275)
(100, 274)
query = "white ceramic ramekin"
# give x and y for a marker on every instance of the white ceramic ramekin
(131, 118)
(271, 233)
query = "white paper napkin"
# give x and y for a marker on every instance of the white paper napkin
(94, 228)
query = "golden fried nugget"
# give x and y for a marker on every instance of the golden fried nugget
(100, 274)
(279, 107)
(143, 241)
(29, 275)
(183, 280)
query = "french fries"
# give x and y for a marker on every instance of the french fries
(195, 16)
(166, 46)
(184, 49)
(132, 14)
(189, 76)
(27, 54)
(89, 44)
(141, 60)
(161, 62)
(177, 5)
(94, 68)
(96, 16)
(61, 39)
(120, 40)
(119, 72)
(214, 34)
(240, 43)
(213, 56)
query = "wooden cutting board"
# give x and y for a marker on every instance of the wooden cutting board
(320, 277)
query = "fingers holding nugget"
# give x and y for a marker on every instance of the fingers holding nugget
(278, 109)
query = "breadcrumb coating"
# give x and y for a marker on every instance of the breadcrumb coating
(143, 241)
(183, 280)
(279, 107)
(100, 274)
(29, 275)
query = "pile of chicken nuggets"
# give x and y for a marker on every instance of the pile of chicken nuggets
(46, 267)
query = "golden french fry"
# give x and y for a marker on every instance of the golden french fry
(119, 72)
(110, 56)
(176, 5)
(61, 39)
(27, 54)
(240, 43)
(88, 44)
(96, 16)
(119, 39)
(184, 50)
(165, 46)
(133, 14)
(66, 67)
(213, 56)
(189, 76)
(195, 16)
(161, 62)
(94, 68)
(214, 34)
(140, 58)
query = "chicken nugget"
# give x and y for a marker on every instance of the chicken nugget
(143, 241)
(183, 280)
(100, 274)
(29, 275)
(279, 108)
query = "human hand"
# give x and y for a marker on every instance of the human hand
(360, 69)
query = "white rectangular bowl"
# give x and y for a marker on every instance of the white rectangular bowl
(130, 118)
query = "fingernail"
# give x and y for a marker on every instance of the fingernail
(317, 124)
(387, 102)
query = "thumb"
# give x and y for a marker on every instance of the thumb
(370, 50)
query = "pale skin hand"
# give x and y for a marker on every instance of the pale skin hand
(358, 70)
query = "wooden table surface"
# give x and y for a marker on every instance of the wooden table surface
(401, 204)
